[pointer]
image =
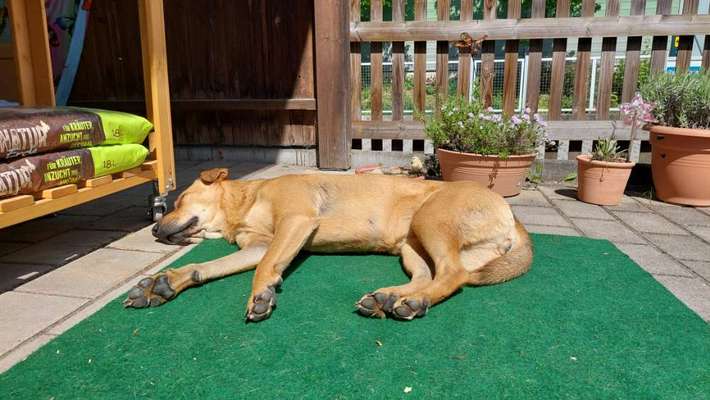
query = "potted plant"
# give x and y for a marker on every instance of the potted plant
(473, 143)
(602, 176)
(680, 140)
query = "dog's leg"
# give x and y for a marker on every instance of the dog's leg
(165, 285)
(416, 263)
(290, 236)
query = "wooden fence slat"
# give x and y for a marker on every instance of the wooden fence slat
(660, 43)
(563, 149)
(587, 146)
(633, 56)
(535, 60)
(419, 61)
(559, 52)
(584, 54)
(397, 65)
(685, 43)
(488, 56)
(606, 66)
(376, 66)
(531, 28)
(510, 72)
(463, 81)
(442, 56)
(355, 67)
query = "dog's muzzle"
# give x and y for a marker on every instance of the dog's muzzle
(171, 233)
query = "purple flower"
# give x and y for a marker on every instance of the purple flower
(515, 120)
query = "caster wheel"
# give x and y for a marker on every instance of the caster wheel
(157, 208)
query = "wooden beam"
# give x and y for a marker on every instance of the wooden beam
(157, 90)
(556, 130)
(295, 103)
(531, 28)
(31, 45)
(333, 83)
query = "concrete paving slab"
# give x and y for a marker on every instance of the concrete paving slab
(653, 260)
(84, 238)
(684, 215)
(92, 275)
(14, 275)
(23, 315)
(21, 352)
(43, 228)
(691, 291)
(578, 209)
(559, 192)
(681, 247)
(701, 268)
(142, 240)
(47, 253)
(128, 220)
(649, 222)
(539, 216)
(9, 247)
(628, 204)
(552, 230)
(529, 198)
(610, 230)
(702, 231)
(101, 207)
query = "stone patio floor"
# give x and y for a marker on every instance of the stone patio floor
(56, 271)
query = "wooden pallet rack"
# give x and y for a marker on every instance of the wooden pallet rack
(36, 88)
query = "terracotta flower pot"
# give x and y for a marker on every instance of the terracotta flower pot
(680, 163)
(504, 176)
(601, 182)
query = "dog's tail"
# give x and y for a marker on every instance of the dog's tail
(508, 266)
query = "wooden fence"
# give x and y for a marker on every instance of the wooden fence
(377, 138)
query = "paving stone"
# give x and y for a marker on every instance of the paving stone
(682, 247)
(702, 231)
(84, 238)
(684, 215)
(692, 291)
(47, 253)
(9, 247)
(20, 353)
(653, 260)
(92, 275)
(13, 275)
(142, 240)
(99, 207)
(578, 209)
(628, 204)
(539, 216)
(529, 198)
(649, 222)
(701, 268)
(128, 220)
(610, 230)
(43, 228)
(558, 192)
(23, 315)
(552, 230)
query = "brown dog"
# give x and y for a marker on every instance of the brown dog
(448, 233)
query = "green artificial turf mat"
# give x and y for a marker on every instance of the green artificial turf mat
(585, 322)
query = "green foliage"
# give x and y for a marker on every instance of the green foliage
(471, 128)
(607, 149)
(681, 100)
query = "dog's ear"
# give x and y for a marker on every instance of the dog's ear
(213, 175)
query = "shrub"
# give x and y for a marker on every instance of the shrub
(681, 100)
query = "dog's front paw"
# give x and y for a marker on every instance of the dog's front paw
(152, 292)
(375, 304)
(261, 305)
(408, 308)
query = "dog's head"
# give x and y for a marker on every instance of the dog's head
(198, 208)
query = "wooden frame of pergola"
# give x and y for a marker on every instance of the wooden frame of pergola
(36, 88)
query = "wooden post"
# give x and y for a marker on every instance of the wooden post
(376, 78)
(685, 42)
(488, 56)
(157, 90)
(463, 82)
(332, 39)
(510, 72)
(31, 46)
(606, 69)
(398, 65)
(535, 60)
(442, 57)
(355, 66)
(559, 53)
(419, 61)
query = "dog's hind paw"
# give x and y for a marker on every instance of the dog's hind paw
(261, 305)
(150, 292)
(408, 308)
(375, 304)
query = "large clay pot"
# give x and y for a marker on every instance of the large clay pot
(680, 163)
(601, 182)
(504, 176)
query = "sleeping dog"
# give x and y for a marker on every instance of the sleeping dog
(448, 234)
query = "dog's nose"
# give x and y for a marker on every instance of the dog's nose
(155, 230)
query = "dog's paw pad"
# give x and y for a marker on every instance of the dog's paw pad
(262, 305)
(150, 292)
(375, 304)
(408, 309)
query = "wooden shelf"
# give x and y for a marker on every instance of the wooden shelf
(21, 208)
